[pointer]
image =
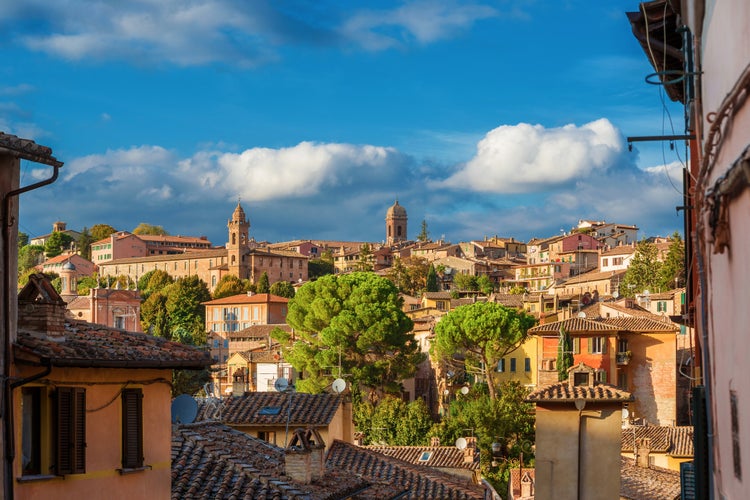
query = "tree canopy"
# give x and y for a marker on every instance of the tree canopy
(154, 281)
(483, 332)
(228, 285)
(672, 271)
(424, 234)
(432, 285)
(282, 289)
(262, 285)
(409, 274)
(84, 243)
(56, 244)
(364, 263)
(353, 322)
(101, 231)
(564, 355)
(144, 228)
(643, 272)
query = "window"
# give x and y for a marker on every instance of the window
(527, 365)
(132, 428)
(601, 376)
(605, 262)
(31, 440)
(267, 436)
(119, 322)
(580, 379)
(70, 413)
(616, 261)
(501, 365)
(597, 345)
(661, 306)
(216, 343)
(425, 456)
(622, 380)
(576, 345)
(512, 364)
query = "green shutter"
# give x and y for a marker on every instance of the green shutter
(576, 345)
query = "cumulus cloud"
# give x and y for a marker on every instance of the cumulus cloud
(524, 158)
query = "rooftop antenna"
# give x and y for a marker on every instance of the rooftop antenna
(184, 409)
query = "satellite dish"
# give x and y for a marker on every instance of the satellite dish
(464, 390)
(461, 443)
(646, 293)
(338, 385)
(228, 390)
(281, 384)
(615, 294)
(184, 409)
(625, 413)
(581, 314)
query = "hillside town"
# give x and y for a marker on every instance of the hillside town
(596, 363)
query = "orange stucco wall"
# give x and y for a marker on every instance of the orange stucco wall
(103, 436)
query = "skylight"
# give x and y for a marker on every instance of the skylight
(269, 410)
(425, 456)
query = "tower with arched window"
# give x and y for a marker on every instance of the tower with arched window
(395, 224)
(238, 227)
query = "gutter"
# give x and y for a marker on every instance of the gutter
(7, 386)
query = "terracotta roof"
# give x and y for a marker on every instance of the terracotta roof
(673, 441)
(647, 483)
(437, 295)
(198, 254)
(593, 276)
(594, 310)
(619, 250)
(80, 302)
(641, 324)
(563, 393)
(28, 150)
(315, 410)
(173, 239)
(257, 331)
(448, 457)
(397, 476)
(277, 253)
(508, 299)
(244, 298)
(573, 325)
(91, 345)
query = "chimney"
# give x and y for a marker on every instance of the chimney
(434, 441)
(471, 444)
(304, 458)
(41, 310)
(527, 485)
(250, 293)
(642, 451)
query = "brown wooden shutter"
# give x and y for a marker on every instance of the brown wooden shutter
(132, 428)
(71, 430)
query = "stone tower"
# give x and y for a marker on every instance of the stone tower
(239, 227)
(395, 224)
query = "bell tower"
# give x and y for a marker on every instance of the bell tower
(238, 227)
(395, 224)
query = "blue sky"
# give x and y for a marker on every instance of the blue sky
(482, 118)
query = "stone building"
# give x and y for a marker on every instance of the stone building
(395, 224)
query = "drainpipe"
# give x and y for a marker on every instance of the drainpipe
(706, 368)
(7, 389)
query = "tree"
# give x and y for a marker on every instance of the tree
(424, 234)
(409, 274)
(485, 285)
(282, 289)
(394, 422)
(154, 315)
(85, 284)
(672, 271)
(227, 286)
(484, 332)
(101, 231)
(56, 244)
(84, 243)
(318, 267)
(352, 322)
(465, 282)
(23, 239)
(29, 256)
(643, 272)
(154, 281)
(144, 228)
(185, 310)
(365, 258)
(262, 285)
(432, 285)
(564, 355)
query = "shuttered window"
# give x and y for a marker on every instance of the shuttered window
(71, 430)
(132, 428)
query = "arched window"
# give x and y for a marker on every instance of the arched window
(234, 239)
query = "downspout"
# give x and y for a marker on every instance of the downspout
(7, 388)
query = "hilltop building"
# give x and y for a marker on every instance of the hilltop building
(395, 224)
(242, 257)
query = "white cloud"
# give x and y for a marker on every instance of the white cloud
(122, 164)
(528, 158)
(422, 21)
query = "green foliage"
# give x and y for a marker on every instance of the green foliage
(485, 285)
(432, 284)
(507, 420)
(282, 289)
(84, 243)
(517, 290)
(643, 272)
(262, 285)
(154, 316)
(101, 231)
(358, 317)
(154, 281)
(394, 422)
(424, 234)
(227, 286)
(365, 258)
(564, 355)
(85, 285)
(184, 309)
(409, 274)
(672, 271)
(483, 333)
(56, 244)
(465, 282)
(189, 381)
(23, 239)
(144, 228)
(29, 256)
(319, 267)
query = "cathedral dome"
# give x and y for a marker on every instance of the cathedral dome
(396, 211)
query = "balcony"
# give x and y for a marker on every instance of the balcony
(623, 358)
